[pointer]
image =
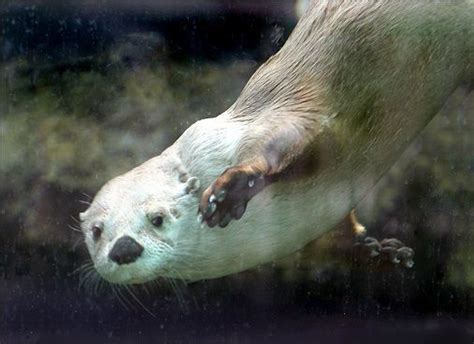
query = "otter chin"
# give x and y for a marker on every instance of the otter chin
(312, 132)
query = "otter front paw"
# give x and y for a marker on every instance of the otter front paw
(227, 197)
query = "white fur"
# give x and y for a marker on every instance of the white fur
(278, 221)
(292, 93)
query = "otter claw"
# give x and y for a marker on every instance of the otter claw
(406, 256)
(199, 218)
(391, 253)
(409, 263)
(226, 199)
(225, 220)
(221, 196)
(211, 208)
(238, 211)
(373, 246)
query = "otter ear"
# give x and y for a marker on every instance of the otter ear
(192, 185)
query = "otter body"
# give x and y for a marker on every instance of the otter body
(312, 132)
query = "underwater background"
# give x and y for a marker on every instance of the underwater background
(90, 89)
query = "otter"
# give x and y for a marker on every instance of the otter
(313, 130)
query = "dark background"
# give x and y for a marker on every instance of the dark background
(90, 89)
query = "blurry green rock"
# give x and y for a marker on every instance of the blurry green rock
(76, 126)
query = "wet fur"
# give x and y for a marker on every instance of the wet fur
(327, 116)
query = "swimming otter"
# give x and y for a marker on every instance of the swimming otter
(313, 130)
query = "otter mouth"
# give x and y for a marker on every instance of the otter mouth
(124, 281)
(123, 274)
(132, 281)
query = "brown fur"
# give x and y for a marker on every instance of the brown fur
(350, 76)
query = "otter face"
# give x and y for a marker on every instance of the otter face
(135, 221)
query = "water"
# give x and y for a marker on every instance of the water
(87, 93)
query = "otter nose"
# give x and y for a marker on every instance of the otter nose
(125, 251)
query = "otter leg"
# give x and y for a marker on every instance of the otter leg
(227, 197)
(284, 156)
(367, 248)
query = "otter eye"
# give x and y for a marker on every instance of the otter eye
(96, 232)
(157, 221)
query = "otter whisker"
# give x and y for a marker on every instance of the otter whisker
(76, 220)
(89, 279)
(77, 242)
(89, 203)
(86, 266)
(177, 291)
(137, 300)
(176, 275)
(166, 246)
(187, 250)
(156, 284)
(123, 298)
(85, 279)
(83, 273)
(99, 284)
(119, 296)
(87, 196)
(145, 289)
(187, 259)
(179, 295)
(191, 254)
(92, 282)
(186, 264)
(74, 228)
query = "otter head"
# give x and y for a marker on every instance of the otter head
(132, 226)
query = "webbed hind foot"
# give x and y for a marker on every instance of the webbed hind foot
(388, 250)
(385, 251)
